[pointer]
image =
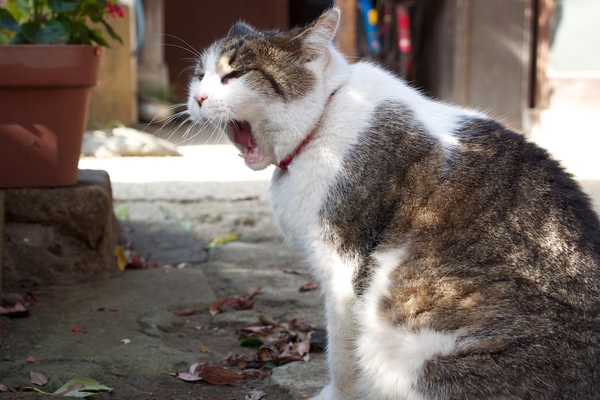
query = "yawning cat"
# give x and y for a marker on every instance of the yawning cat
(457, 260)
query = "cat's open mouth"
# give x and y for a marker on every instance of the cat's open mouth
(243, 136)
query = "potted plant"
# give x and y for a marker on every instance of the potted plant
(49, 61)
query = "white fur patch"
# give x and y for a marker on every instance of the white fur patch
(440, 120)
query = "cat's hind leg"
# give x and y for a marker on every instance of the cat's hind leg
(390, 355)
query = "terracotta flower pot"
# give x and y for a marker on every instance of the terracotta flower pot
(44, 92)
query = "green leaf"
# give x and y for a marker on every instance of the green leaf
(97, 36)
(7, 21)
(64, 6)
(93, 9)
(79, 32)
(77, 28)
(53, 32)
(81, 387)
(19, 9)
(249, 342)
(270, 365)
(5, 36)
(111, 32)
(29, 30)
(19, 39)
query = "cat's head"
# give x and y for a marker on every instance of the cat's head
(267, 89)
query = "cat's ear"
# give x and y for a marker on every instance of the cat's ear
(240, 29)
(317, 38)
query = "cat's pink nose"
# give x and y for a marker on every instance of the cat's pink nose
(200, 98)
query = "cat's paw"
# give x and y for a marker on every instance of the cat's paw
(327, 393)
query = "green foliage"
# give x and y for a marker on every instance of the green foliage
(57, 21)
(81, 387)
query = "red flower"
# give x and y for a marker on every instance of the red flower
(115, 10)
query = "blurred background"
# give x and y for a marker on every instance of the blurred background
(532, 64)
(518, 60)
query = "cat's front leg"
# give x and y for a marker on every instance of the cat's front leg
(341, 349)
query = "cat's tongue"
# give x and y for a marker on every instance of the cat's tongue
(243, 136)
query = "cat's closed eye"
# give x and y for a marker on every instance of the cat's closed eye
(200, 75)
(233, 75)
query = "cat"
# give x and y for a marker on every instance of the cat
(457, 260)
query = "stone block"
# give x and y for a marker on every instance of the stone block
(60, 235)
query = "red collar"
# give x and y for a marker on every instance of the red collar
(285, 163)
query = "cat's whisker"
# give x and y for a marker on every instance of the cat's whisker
(189, 47)
(169, 118)
(206, 123)
(188, 68)
(187, 138)
(172, 120)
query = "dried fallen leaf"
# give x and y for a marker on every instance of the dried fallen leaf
(237, 360)
(290, 271)
(250, 293)
(213, 375)
(256, 374)
(278, 343)
(204, 349)
(266, 320)
(303, 347)
(30, 360)
(309, 286)
(221, 240)
(125, 341)
(121, 257)
(267, 353)
(262, 334)
(17, 310)
(216, 306)
(38, 378)
(242, 302)
(219, 376)
(194, 368)
(187, 311)
(302, 325)
(187, 377)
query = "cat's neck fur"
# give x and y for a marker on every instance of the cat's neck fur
(333, 71)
